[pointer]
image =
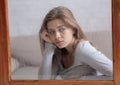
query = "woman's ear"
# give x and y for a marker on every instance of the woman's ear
(74, 31)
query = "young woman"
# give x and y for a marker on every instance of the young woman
(66, 50)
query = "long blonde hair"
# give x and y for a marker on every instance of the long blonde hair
(66, 15)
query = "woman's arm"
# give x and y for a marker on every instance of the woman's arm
(93, 57)
(49, 67)
(45, 72)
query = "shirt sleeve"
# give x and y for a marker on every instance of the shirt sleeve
(93, 57)
(45, 72)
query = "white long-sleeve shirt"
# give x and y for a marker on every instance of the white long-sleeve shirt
(94, 58)
(87, 61)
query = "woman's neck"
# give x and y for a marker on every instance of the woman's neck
(71, 47)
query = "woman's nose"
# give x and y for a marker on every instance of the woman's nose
(57, 35)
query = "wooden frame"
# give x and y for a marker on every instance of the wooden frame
(5, 53)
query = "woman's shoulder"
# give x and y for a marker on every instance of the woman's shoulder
(83, 42)
(84, 46)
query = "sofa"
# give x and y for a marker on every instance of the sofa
(26, 53)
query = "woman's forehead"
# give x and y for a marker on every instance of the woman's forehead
(57, 23)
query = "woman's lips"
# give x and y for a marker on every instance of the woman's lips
(59, 42)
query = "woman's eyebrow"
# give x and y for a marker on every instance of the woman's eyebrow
(60, 26)
(57, 27)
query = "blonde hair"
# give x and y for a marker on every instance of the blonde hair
(66, 15)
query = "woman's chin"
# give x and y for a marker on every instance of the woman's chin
(60, 46)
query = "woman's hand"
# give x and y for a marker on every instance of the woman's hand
(44, 35)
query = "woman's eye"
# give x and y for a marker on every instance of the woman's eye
(51, 32)
(61, 29)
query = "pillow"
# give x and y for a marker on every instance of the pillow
(26, 73)
(26, 49)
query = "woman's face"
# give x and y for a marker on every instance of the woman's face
(60, 34)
